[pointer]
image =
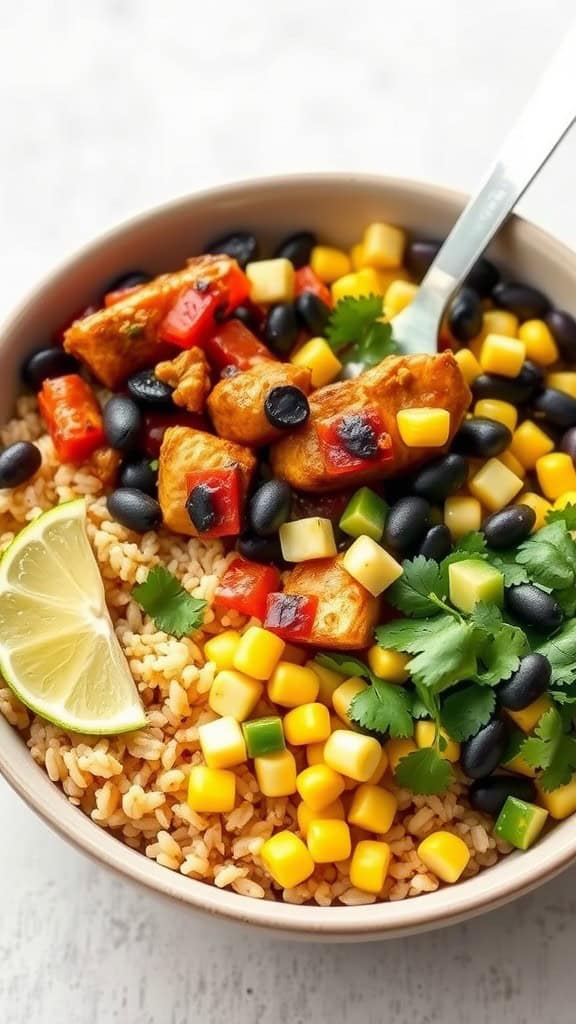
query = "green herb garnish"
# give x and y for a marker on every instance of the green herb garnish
(465, 711)
(172, 608)
(551, 749)
(356, 331)
(424, 772)
(383, 707)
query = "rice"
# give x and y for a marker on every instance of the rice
(135, 786)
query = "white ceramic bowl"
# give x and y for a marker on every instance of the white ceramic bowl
(337, 207)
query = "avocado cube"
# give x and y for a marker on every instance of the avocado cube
(365, 514)
(520, 823)
(473, 581)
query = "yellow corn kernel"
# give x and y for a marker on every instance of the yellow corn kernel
(512, 463)
(344, 695)
(362, 282)
(372, 808)
(568, 498)
(494, 409)
(518, 766)
(276, 773)
(336, 723)
(328, 840)
(469, 366)
(527, 719)
(475, 347)
(233, 693)
(315, 752)
(383, 246)
(352, 754)
(357, 256)
(271, 281)
(372, 566)
(328, 680)
(211, 790)
(565, 382)
(499, 321)
(423, 428)
(319, 358)
(292, 685)
(495, 485)
(397, 749)
(502, 355)
(380, 770)
(425, 735)
(306, 814)
(309, 723)
(461, 515)
(399, 294)
(369, 865)
(222, 743)
(561, 802)
(222, 648)
(556, 474)
(540, 345)
(319, 785)
(444, 854)
(329, 263)
(295, 655)
(529, 443)
(539, 504)
(389, 665)
(259, 651)
(287, 859)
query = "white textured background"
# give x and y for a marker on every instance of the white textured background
(109, 106)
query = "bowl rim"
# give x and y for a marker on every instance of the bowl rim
(379, 920)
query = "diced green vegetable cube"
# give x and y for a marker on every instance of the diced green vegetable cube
(473, 581)
(520, 823)
(366, 514)
(263, 736)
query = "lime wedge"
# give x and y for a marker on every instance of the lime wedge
(58, 649)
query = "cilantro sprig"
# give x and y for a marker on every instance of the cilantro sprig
(551, 750)
(383, 707)
(172, 608)
(425, 772)
(357, 333)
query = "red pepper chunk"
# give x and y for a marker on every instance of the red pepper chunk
(234, 345)
(307, 280)
(342, 456)
(73, 417)
(214, 498)
(246, 586)
(290, 616)
(193, 316)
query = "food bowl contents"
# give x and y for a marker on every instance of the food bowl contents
(286, 610)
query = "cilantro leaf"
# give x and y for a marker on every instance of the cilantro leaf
(561, 653)
(505, 562)
(411, 635)
(424, 772)
(552, 750)
(383, 707)
(471, 544)
(566, 515)
(445, 657)
(567, 600)
(172, 608)
(549, 556)
(501, 654)
(410, 593)
(345, 664)
(466, 711)
(356, 330)
(486, 616)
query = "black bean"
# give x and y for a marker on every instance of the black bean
(270, 507)
(509, 389)
(529, 681)
(134, 509)
(437, 543)
(286, 407)
(260, 549)
(568, 443)
(534, 607)
(465, 315)
(200, 507)
(419, 255)
(556, 407)
(407, 523)
(145, 388)
(563, 327)
(490, 795)
(132, 280)
(246, 316)
(241, 246)
(509, 527)
(525, 302)
(18, 463)
(139, 475)
(122, 423)
(442, 477)
(483, 277)
(482, 754)
(312, 312)
(45, 364)
(297, 248)
(481, 438)
(281, 328)
(358, 436)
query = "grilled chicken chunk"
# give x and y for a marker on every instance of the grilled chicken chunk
(399, 382)
(236, 404)
(189, 375)
(183, 451)
(346, 613)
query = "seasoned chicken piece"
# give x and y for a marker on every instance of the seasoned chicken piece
(236, 404)
(346, 613)
(104, 464)
(123, 338)
(189, 375)
(398, 382)
(185, 450)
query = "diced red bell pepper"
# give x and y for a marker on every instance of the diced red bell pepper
(156, 424)
(235, 286)
(338, 459)
(234, 345)
(192, 317)
(290, 616)
(222, 496)
(73, 417)
(307, 280)
(245, 587)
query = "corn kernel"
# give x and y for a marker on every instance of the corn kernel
(495, 485)
(540, 345)
(388, 664)
(305, 539)
(295, 655)
(399, 294)
(319, 785)
(423, 428)
(502, 355)
(568, 498)
(315, 752)
(222, 648)
(425, 735)
(362, 282)
(372, 566)
(556, 474)
(328, 840)
(529, 443)
(271, 281)
(397, 749)
(287, 859)
(329, 263)
(306, 814)
(372, 809)
(469, 366)
(494, 409)
(259, 651)
(444, 854)
(357, 256)
(222, 743)
(527, 719)
(233, 693)
(328, 681)
(565, 382)
(561, 802)
(499, 321)
(319, 358)
(512, 463)
(309, 723)
(211, 790)
(352, 754)
(344, 695)
(276, 773)
(292, 685)
(369, 865)
(461, 515)
(383, 246)
(380, 771)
